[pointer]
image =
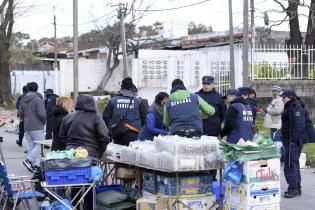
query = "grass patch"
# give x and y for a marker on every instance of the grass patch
(309, 150)
(9, 107)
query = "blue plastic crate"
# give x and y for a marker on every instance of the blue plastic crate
(70, 176)
(105, 188)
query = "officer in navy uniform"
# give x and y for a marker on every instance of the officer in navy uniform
(294, 135)
(126, 104)
(212, 124)
(245, 92)
(238, 122)
(50, 103)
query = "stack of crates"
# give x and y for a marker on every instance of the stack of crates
(259, 188)
(193, 190)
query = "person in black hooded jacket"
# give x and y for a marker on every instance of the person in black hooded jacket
(85, 128)
(64, 105)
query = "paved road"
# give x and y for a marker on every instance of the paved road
(14, 156)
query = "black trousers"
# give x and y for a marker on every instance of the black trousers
(21, 131)
(49, 128)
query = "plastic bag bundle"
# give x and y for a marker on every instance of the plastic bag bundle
(186, 162)
(113, 149)
(146, 158)
(189, 146)
(165, 161)
(129, 155)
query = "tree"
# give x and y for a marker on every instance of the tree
(194, 28)
(6, 26)
(110, 37)
(149, 30)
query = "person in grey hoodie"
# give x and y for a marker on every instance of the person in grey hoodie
(32, 111)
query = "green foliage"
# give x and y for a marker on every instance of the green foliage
(265, 70)
(9, 107)
(101, 104)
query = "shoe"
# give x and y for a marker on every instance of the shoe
(25, 151)
(28, 165)
(299, 191)
(18, 142)
(291, 194)
(47, 147)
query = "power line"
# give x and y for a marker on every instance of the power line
(41, 5)
(90, 21)
(173, 8)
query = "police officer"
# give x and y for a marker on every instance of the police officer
(212, 124)
(50, 103)
(125, 114)
(182, 113)
(245, 93)
(238, 122)
(293, 137)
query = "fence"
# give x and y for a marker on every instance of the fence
(159, 71)
(282, 62)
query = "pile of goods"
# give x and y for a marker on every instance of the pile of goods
(171, 153)
(253, 175)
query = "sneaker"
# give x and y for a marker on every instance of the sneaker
(28, 165)
(291, 194)
(299, 192)
(25, 151)
(19, 143)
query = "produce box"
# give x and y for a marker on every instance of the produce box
(154, 202)
(260, 193)
(149, 183)
(70, 176)
(187, 185)
(194, 202)
(228, 206)
(261, 170)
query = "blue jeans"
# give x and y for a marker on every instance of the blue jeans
(33, 150)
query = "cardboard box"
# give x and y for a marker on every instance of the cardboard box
(228, 206)
(187, 185)
(127, 173)
(259, 193)
(194, 202)
(149, 183)
(261, 170)
(154, 202)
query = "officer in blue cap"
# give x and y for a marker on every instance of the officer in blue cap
(293, 137)
(212, 124)
(238, 119)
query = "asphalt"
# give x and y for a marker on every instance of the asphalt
(14, 156)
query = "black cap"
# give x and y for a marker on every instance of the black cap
(49, 91)
(244, 90)
(288, 93)
(231, 92)
(25, 89)
(207, 79)
(127, 84)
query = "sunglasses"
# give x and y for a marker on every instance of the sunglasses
(206, 83)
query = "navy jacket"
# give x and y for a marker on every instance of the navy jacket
(238, 122)
(118, 106)
(153, 127)
(293, 123)
(50, 103)
(253, 105)
(212, 125)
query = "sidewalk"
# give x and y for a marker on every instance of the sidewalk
(14, 156)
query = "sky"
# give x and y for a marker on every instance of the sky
(35, 17)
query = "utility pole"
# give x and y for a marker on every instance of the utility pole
(232, 65)
(121, 16)
(55, 54)
(252, 34)
(245, 42)
(75, 52)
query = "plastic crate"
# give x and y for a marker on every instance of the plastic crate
(70, 176)
(105, 188)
